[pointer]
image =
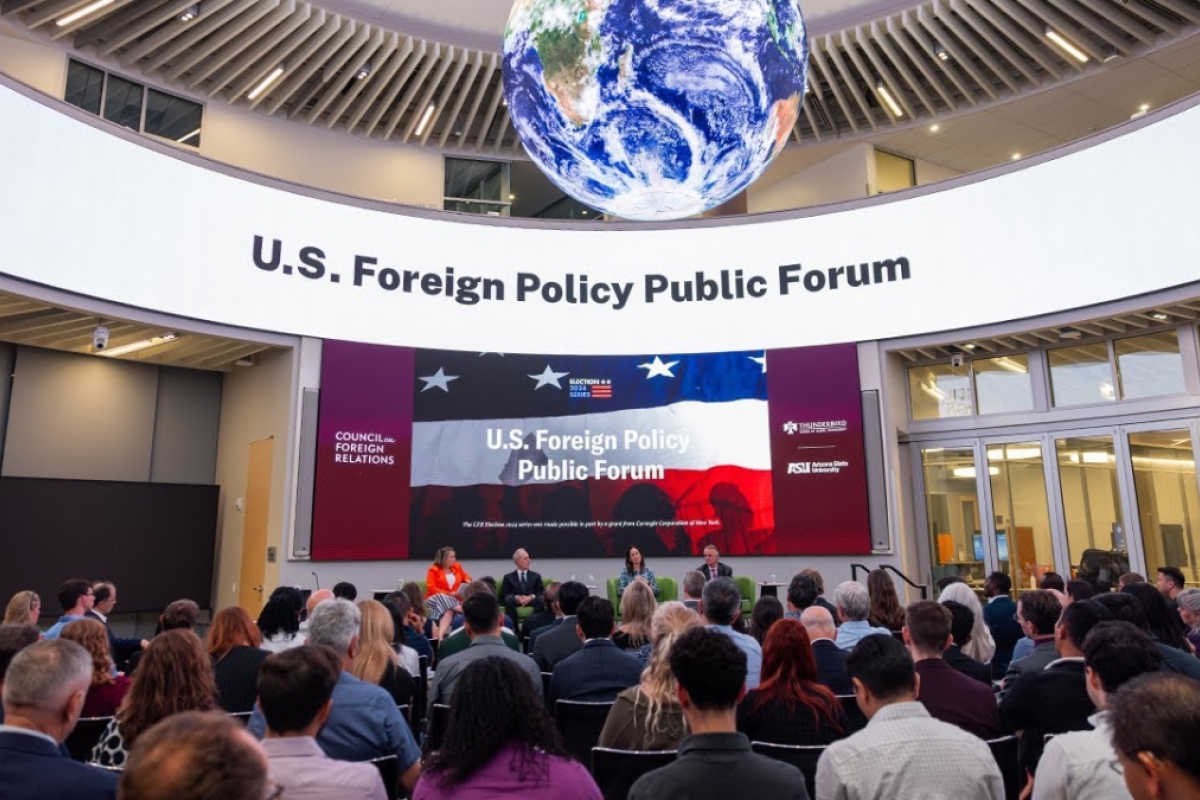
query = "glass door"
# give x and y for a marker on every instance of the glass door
(1023, 539)
(953, 513)
(1164, 479)
(1097, 544)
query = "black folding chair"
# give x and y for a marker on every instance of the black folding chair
(580, 724)
(616, 770)
(1006, 752)
(420, 696)
(439, 719)
(389, 770)
(86, 735)
(857, 719)
(242, 717)
(546, 676)
(804, 757)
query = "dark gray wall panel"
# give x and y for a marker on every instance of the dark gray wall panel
(185, 428)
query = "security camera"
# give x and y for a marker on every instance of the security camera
(100, 337)
(957, 360)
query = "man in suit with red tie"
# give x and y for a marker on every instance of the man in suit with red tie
(712, 567)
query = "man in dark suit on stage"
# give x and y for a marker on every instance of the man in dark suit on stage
(831, 659)
(1000, 614)
(555, 643)
(106, 601)
(44, 691)
(712, 567)
(522, 587)
(600, 669)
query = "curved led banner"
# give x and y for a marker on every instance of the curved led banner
(1090, 226)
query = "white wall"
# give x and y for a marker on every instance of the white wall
(846, 176)
(928, 172)
(257, 403)
(39, 65)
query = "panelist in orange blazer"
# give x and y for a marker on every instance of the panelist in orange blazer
(443, 583)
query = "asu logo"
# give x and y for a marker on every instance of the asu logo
(799, 468)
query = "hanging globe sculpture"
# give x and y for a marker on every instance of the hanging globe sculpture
(654, 109)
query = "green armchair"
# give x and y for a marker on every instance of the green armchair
(745, 585)
(527, 611)
(668, 589)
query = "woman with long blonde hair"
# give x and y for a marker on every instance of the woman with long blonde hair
(648, 716)
(376, 661)
(637, 611)
(24, 608)
(108, 689)
(982, 646)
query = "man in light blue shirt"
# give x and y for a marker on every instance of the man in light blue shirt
(76, 598)
(853, 604)
(363, 722)
(720, 604)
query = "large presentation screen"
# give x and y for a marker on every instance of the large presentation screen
(757, 452)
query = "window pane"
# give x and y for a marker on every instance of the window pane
(123, 102)
(1164, 474)
(1081, 375)
(84, 86)
(1003, 384)
(1150, 366)
(474, 180)
(469, 207)
(1022, 514)
(952, 506)
(939, 390)
(173, 117)
(1087, 471)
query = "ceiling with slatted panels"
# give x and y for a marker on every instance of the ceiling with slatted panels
(936, 59)
(38, 324)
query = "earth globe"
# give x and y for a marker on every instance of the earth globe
(654, 109)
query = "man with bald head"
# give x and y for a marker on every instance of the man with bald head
(44, 691)
(831, 659)
(315, 599)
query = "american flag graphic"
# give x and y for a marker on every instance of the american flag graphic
(602, 390)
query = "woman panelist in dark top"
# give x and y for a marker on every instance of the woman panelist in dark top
(233, 645)
(789, 706)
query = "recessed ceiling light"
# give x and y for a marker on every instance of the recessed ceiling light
(1144, 107)
(1160, 316)
(512, 197)
(190, 13)
(1066, 44)
(90, 8)
(363, 72)
(1016, 156)
(941, 53)
(934, 128)
(969, 346)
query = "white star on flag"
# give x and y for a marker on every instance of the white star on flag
(549, 378)
(657, 367)
(439, 379)
(760, 360)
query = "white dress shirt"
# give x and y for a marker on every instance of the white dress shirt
(905, 753)
(304, 771)
(1076, 765)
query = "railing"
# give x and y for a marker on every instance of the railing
(923, 588)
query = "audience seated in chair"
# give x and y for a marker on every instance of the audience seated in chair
(409, 626)
(179, 615)
(790, 706)
(1074, 766)
(711, 671)
(721, 607)
(375, 660)
(196, 756)
(458, 640)
(693, 589)
(554, 644)
(1126, 607)
(76, 599)
(364, 722)
(295, 691)
(233, 645)
(501, 741)
(175, 676)
(853, 604)
(831, 659)
(105, 596)
(1154, 721)
(344, 590)
(44, 691)
(14, 637)
(549, 615)
(903, 752)
(279, 620)
(886, 611)
(962, 622)
(946, 693)
(1055, 700)
(637, 609)
(1037, 612)
(648, 716)
(600, 669)
(24, 608)
(482, 614)
(766, 612)
(108, 688)
(1000, 616)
